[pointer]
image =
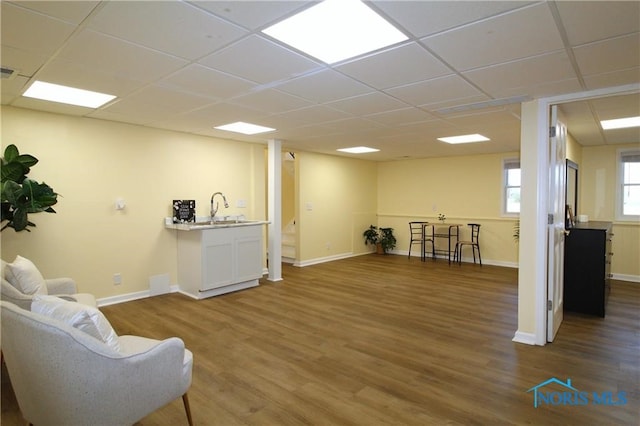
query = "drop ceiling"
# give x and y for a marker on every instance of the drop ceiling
(466, 67)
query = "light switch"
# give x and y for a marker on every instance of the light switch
(120, 204)
(309, 206)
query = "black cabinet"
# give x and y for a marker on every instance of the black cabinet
(587, 267)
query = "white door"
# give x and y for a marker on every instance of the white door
(556, 223)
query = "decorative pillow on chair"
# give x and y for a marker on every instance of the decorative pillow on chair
(83, 317)
(24, 276)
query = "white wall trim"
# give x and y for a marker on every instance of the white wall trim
(465, 259)
(625, 277)
(526, 338)
(327, 259)
(128, 297)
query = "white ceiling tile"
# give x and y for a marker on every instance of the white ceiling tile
(12, 88)
(484, 118)
(351, 125)
(252, 14)
(158, 101)
(257, 59)
(206, 81)
(144, 118)
(222, 113)
(588, 21)
(102, 53)
(422, 18)
(271, 101)
(24, 62)
(609, 55)
(18, 30)
(400, 65)
(617, 106)
(436, 91)
(493, 52)
(401, 116)
(173, 27)
(613, 78)
(515, 35)
(507, 79)
(70, 11)
(324, 86)
(309, 115)
(370, 103)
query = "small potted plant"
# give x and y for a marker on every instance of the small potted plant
(382, 238)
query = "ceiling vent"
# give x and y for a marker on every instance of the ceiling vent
(7, 73)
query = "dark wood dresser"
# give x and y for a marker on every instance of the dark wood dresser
(587, 267)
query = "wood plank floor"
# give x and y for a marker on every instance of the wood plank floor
(386, 340)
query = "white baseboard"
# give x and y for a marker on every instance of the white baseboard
(464, 259)
(128, 297)
(326, 259)
(624, 277)
(526, 338)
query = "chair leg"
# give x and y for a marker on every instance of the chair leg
(187, 408)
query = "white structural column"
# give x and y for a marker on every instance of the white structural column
(534, 164)
(274, 207)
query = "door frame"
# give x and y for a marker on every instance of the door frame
(532, 316)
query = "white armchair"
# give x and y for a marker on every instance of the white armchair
(11, 290)
(62, 375)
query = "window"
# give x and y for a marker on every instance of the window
(629, 185)
(511, 184)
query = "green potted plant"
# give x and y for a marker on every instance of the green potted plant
(21, 195)
(382, 238)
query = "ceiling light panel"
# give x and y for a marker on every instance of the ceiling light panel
(464, 139)
(620, 123)
(245, 128)
(67, 95)
(358, 150)
(335, 30)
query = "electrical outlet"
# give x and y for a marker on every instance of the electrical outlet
(117, 279)
(328, 246)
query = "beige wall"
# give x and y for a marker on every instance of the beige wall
(288, 191)
(597, 198)
(465, 189)
(93, 162)
(337, 200)
(574, 150)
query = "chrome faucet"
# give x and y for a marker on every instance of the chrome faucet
(214, 210)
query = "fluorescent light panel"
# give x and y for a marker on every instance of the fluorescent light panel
(464, 139)
(620, 123)
(335, 30)
(358, 150)
(67, 95)
(245, 128)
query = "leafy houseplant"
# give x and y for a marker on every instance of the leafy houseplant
(382, 238)
(21, 195)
